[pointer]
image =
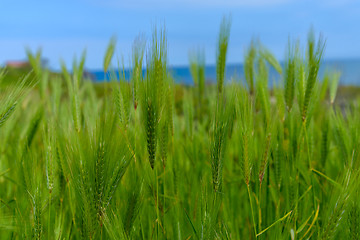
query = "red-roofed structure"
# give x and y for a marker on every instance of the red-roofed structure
(17, 64)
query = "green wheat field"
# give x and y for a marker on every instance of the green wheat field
(151, 159)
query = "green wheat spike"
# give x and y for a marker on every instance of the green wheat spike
(221, 53)
(109, 53)
(289, 76)
(249, 65)
(314, 58)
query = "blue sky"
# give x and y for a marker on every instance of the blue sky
(65, 28)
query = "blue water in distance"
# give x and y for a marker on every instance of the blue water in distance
(349, 69)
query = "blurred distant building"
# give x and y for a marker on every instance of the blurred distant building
(17, 64)
(25, 64)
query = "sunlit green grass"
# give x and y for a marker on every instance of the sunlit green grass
(149, 159)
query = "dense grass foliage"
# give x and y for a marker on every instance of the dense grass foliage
(148, 159)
